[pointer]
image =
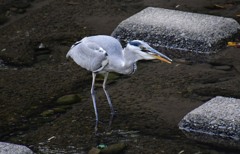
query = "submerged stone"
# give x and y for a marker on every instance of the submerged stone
(47, 113)
(217, 121)
(65, 107)
(68, 99)
(111, 76)
(224, 67)
(59, 110)
(180, 34)
(114, 149)
(94, 151)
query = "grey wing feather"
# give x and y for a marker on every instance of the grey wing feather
(89, 55)
(108, 43)
(76, 43)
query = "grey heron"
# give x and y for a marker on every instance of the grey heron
(104, 54)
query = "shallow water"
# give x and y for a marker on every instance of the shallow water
(150, 103)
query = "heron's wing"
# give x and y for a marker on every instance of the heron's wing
(89, 55)
(108, 43)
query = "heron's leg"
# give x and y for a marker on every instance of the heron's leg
(94, 101)
(106, 92)
(108, 98)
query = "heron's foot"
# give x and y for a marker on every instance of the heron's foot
(113, 114)
(96, 125)
(96, 128)
(107, 127)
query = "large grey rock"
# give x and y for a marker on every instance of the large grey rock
(183, 34)
(216, 121)
(8, 148)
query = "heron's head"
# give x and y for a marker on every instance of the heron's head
(146, 52)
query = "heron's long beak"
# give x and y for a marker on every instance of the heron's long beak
(157, 55)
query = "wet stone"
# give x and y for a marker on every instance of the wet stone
(59, 110)
(225, 67)
(115, 148)
(8, 148)
(65, 107)
(68, 99)
(94, 151)
(216, 121)
(47, 113)
(181, 34)
(183, 61)
(111, 76)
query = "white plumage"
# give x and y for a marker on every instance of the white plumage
(104, 54)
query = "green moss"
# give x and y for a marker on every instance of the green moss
(68, 99)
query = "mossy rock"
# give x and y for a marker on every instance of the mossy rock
(47, 113)
(111, 76)
(65, 106)
(68, 99)
(59, 110)
(114, 149)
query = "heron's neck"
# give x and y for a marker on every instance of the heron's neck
(129, 59)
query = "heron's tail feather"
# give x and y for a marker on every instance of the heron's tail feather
(89, 55)
(70, 51)
(67, 55)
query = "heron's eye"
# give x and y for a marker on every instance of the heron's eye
(143, 48)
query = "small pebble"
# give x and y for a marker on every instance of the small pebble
(182, 61)
(225, 67)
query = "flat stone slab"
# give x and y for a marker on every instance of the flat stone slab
(181, 34)
(216, 121)
(9, 148)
